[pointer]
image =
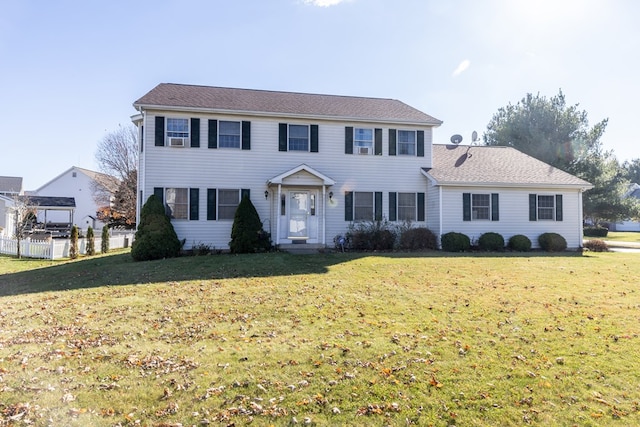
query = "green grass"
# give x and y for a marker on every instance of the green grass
(623, 236)
(333, 339)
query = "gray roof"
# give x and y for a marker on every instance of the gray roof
(49, 202)
(10, 184)
(495, 166)
(266, 102)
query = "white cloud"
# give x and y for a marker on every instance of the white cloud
(461, 68)
(323, 3)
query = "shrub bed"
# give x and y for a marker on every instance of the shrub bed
(372, 236)
(419, 238)
(596, 231)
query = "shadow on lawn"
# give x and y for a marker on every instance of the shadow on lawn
(120, 269)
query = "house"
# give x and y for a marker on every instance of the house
(629, 224)
(314, 164)
(10, 186)
(10, 189)
(90, 190)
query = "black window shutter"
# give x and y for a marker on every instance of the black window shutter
(213, 134)
(195, 132)
(558, 207)
(377, 149)
(392, 142)
(245, 192)
(246, 135)
(282, 137)
(533, 207)
(466, 206)
(194, 204)
(420, 207)
(348, 206)
(393, 208)
(377, 206)
(141, 139)
(211, 204)
(159, 193)
(348, 140)
(495, 207)
(159, 131)
(314, 138)
(420, 149)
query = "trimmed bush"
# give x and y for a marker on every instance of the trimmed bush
(552, 242)
(372, 236)
(91, 242)
(520, 243)
(596, 231)
(247, 235)
(455, 242)
(596, 245)
(156, 237)
(104, 244)
(491, 241)
(419, 238)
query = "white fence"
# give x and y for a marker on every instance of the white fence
(58, 248)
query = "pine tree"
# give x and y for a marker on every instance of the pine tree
(156, 237)
(91, 242)
(73, 249)
(104, 244)
(247, 235)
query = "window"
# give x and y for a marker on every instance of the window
(407, 142)
(546, 207)
(363, 206)
(177, 202)
(228, 201)
(298, 138)
(229, 134)
(177, 132)
(407, 206)
(363, 141)
(480, 206)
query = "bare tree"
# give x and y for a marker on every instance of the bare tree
(117, 156)
(25, 219)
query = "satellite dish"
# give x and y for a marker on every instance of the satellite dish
(456, 139)
(474, 136)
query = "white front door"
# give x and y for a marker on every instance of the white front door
(299, 211)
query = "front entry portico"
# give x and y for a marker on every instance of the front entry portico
(298, 206)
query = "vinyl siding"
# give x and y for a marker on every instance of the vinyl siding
(234, 168)
(514, 215)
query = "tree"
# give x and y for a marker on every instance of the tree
(117, 155)
(91, 242)
(156, 237)
(25, 218)
(73, 247)
(632, 170)
(550, 130)
(247, 234)
(104, 243)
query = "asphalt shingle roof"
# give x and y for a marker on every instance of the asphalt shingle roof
(49, 202)
(284, 103)
(10, 184)
(495, 165)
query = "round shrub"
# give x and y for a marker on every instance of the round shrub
(552, 242)
(491, 241)
(596, 245)
(520, 243)
(455, 242)
(596, 231)
(419, 238)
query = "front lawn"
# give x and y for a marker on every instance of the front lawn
(328, 339)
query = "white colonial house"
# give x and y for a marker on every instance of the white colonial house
(315, 164)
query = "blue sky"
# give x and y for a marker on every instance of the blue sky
(70, 70)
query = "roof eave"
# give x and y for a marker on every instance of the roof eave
(582, 187)
(141, 107)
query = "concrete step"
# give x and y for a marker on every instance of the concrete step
(302, 248)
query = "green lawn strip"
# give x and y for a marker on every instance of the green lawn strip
(620, 236)
(337, 339)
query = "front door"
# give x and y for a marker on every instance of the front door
(299, 211)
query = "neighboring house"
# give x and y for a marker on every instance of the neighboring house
(10, 186)
(10, 189)
(315, 164)
(629, 225)
(91, 191)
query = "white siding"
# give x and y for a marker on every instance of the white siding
(433, 209)
(514, 215)
(233, 168)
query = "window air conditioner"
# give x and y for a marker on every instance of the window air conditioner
(177, 142)
(363, 150)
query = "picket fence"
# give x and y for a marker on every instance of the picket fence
(58, 248)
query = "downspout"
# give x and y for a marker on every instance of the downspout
(279, 201)
(439, 212)
(141, 160)
(324, 214)
(580, 225)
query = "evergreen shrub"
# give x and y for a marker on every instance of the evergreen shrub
(247, 234)
(519, 243)
(156, 237)
(552, 242)
(91, 242)
(455, 242)
(104, 244)
(372, 236)
(73, 248)
(491, 241)
(596, 231)
(419, 238)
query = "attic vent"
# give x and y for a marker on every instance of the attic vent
(74, 174)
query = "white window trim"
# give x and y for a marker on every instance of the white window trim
(488, 218)
(218, 201)
(369, 144)
(355, 206)
(415, 142)
(552, 208)
(172, 141)
(186, 204)
(239, 135)
(415, 206)
(289, 137)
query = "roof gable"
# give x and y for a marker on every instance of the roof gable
(190, 97)
(10, 184)
(495, 166)
(302, 171)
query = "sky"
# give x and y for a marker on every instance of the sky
(71, 70)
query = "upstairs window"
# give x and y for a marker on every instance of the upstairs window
(298, 138)
(229, 134)
(177, 132)
(407, 142)
(362, 141)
